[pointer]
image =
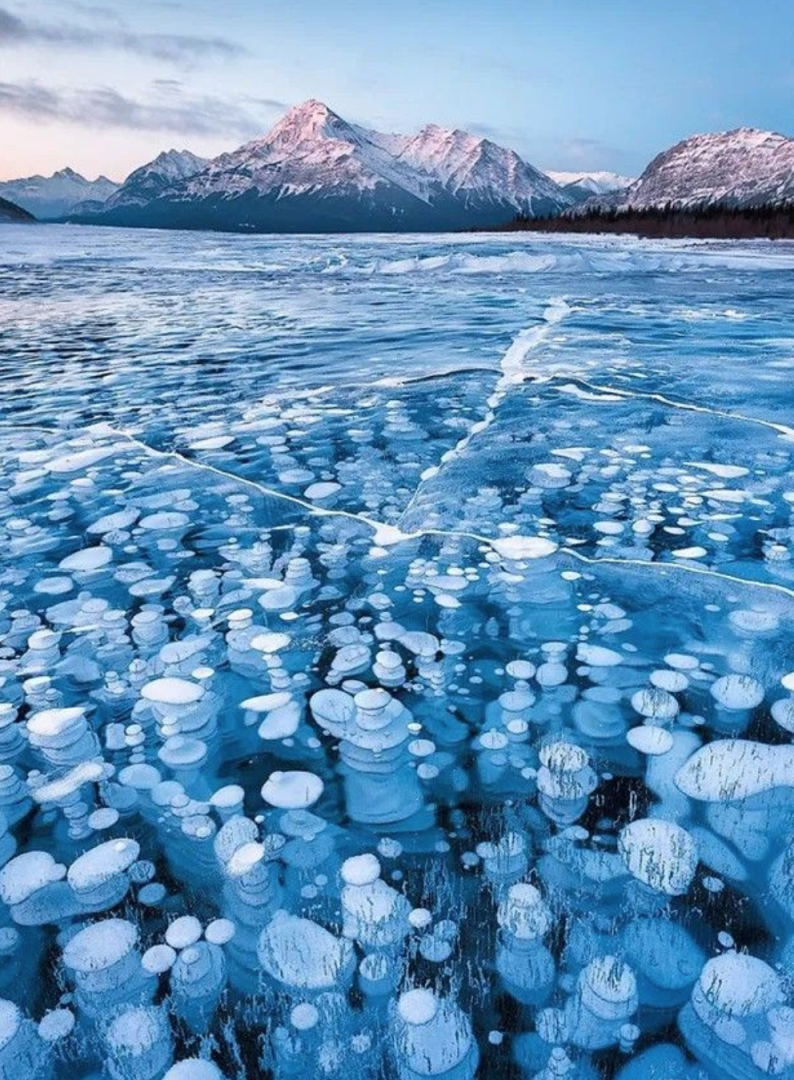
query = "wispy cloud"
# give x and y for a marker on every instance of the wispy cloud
(177, 48)
(169, 110)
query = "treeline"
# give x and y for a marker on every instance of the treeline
(716, 222)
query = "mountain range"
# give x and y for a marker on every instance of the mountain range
(316, 172)
(56, 195)
(583, 185)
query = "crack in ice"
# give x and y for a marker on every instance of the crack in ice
(679, 568)
(687, 406)
(512, 374)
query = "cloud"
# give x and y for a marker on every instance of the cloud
(168, 110)
(177, 48)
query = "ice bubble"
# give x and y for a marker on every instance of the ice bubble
(164, 521)
(597, 656)
(519, 548)
(682, 661)
(695, 552)
(101, 863)
(281, 598)
(100, 945)
(220, 931)
(655, 703)
(54, 586)
(65, 786)
(25, 874)
(56, 1025)
(783, 713)
(321, 490)
(608, 988)
(194, 1069)
(739, 985)
(158, 959)
(727, 770)
(114, 522)
(420, 918)
(752, 621)
(172, 691)
(184, 931)
(82, 562)
(524, 913)
(737, 692)
(104, 818)
(295, 790)
(520, 669)
(55, 727)
(360, 870)
(270, 642)
(549, 475)
(245, 858)
(81, 460)
(417, 1006)
(659, 853)
(181, 752)
(139, 1043)
(650, 739)
(674, 682)
(302, 955)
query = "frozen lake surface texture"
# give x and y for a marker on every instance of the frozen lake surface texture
(396, 658)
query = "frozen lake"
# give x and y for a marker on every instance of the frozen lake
(396, 657)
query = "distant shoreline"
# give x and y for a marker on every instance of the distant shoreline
(738, 225)
(712, 223)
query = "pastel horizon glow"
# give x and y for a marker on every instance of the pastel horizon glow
(104, 88)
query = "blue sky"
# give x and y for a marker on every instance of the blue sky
(103, 85)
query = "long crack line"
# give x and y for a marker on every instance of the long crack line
(512, 375)
(679, 568)
(687, 406)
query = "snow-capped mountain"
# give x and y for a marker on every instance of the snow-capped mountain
(310, 151)
(740, 168)
(11, 213)
(56, 195)
(480, 173)
(582, 185)
(151, 180)
(316, 172)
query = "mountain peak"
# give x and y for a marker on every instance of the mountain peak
(310, 119)
(743, 167)
(172, 155)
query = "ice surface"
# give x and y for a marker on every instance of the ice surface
(396, 674)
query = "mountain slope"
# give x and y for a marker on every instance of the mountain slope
(151, 180)
(56, 195)
(481, 174)
(740, 168)
(11, 213)
(315, 172)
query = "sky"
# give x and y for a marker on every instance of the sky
(105, 85)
